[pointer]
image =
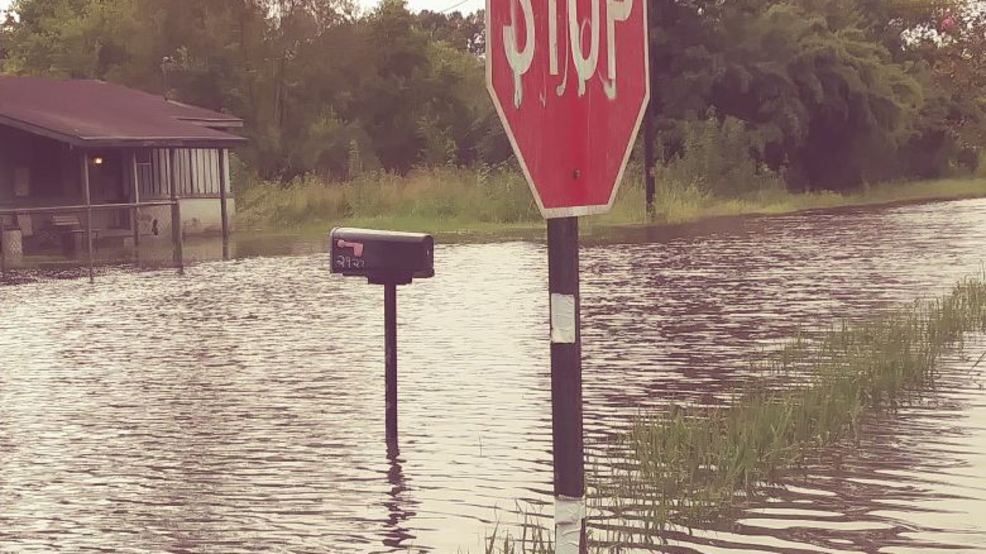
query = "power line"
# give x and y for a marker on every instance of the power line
(452, 7)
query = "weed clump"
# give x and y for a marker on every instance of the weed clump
(688, 465)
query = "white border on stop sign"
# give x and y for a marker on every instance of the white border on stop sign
(575, 211)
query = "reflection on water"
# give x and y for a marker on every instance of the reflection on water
(400, 504)
(241, 408)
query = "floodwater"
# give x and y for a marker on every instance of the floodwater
(240, 408)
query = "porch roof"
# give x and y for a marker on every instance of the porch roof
(93, 114)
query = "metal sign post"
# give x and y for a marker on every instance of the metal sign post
(650, 185)
(570, 82)
(566, 382)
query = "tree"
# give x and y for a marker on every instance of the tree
(829, 93)
(829, 104)
(462, 32)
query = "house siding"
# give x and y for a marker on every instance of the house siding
(197, 171)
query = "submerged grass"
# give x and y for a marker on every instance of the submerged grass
(497, 201)
(533, 539)
(688, 466)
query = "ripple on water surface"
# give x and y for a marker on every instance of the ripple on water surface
(240, 408)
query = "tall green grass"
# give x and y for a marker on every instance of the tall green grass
(497, 199)
(444, 197)
(689, 465)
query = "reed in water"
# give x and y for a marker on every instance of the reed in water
(688, 465)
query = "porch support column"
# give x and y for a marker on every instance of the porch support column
(3, 251)
(84, 163)
(135, 212)
(224, 210)
(177, 236)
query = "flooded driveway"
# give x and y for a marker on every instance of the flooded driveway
(240, 408)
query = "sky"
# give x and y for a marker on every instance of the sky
(433, 5)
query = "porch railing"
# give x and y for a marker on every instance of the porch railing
(88, 230)
(83, 207)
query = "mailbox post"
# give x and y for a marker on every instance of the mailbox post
(389, 259)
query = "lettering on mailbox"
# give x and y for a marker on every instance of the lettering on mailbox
(346, 262)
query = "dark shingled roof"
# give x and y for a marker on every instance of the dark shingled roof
(98, 114)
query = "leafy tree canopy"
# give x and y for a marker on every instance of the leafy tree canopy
(826, 93)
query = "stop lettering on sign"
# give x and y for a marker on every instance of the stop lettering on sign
(569, 80)
(584, 57)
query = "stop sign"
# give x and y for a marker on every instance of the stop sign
(569, 79)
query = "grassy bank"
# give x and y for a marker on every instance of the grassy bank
(689, 465)
(498, 201)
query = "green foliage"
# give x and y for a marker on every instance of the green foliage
(490, 195)
(311, 79)
(829, 104)
(497, 200)
(715, 157)
(460, 31)
(820, 94)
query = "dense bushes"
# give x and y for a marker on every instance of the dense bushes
(834, 93)
(717, 157)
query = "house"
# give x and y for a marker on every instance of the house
(102, 161)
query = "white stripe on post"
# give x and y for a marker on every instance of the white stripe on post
(563, 319)
(569, 519)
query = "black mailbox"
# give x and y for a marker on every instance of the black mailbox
(383, 257)
(390, 259)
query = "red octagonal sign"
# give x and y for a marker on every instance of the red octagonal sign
(570, 81)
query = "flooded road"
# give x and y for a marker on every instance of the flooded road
(240, 408)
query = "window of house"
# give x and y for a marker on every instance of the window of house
(145, 171)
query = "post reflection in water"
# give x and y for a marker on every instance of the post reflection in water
(400, 504)
(240, 409)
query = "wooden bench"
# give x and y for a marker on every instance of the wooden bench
(65, 220)
(71, 231)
